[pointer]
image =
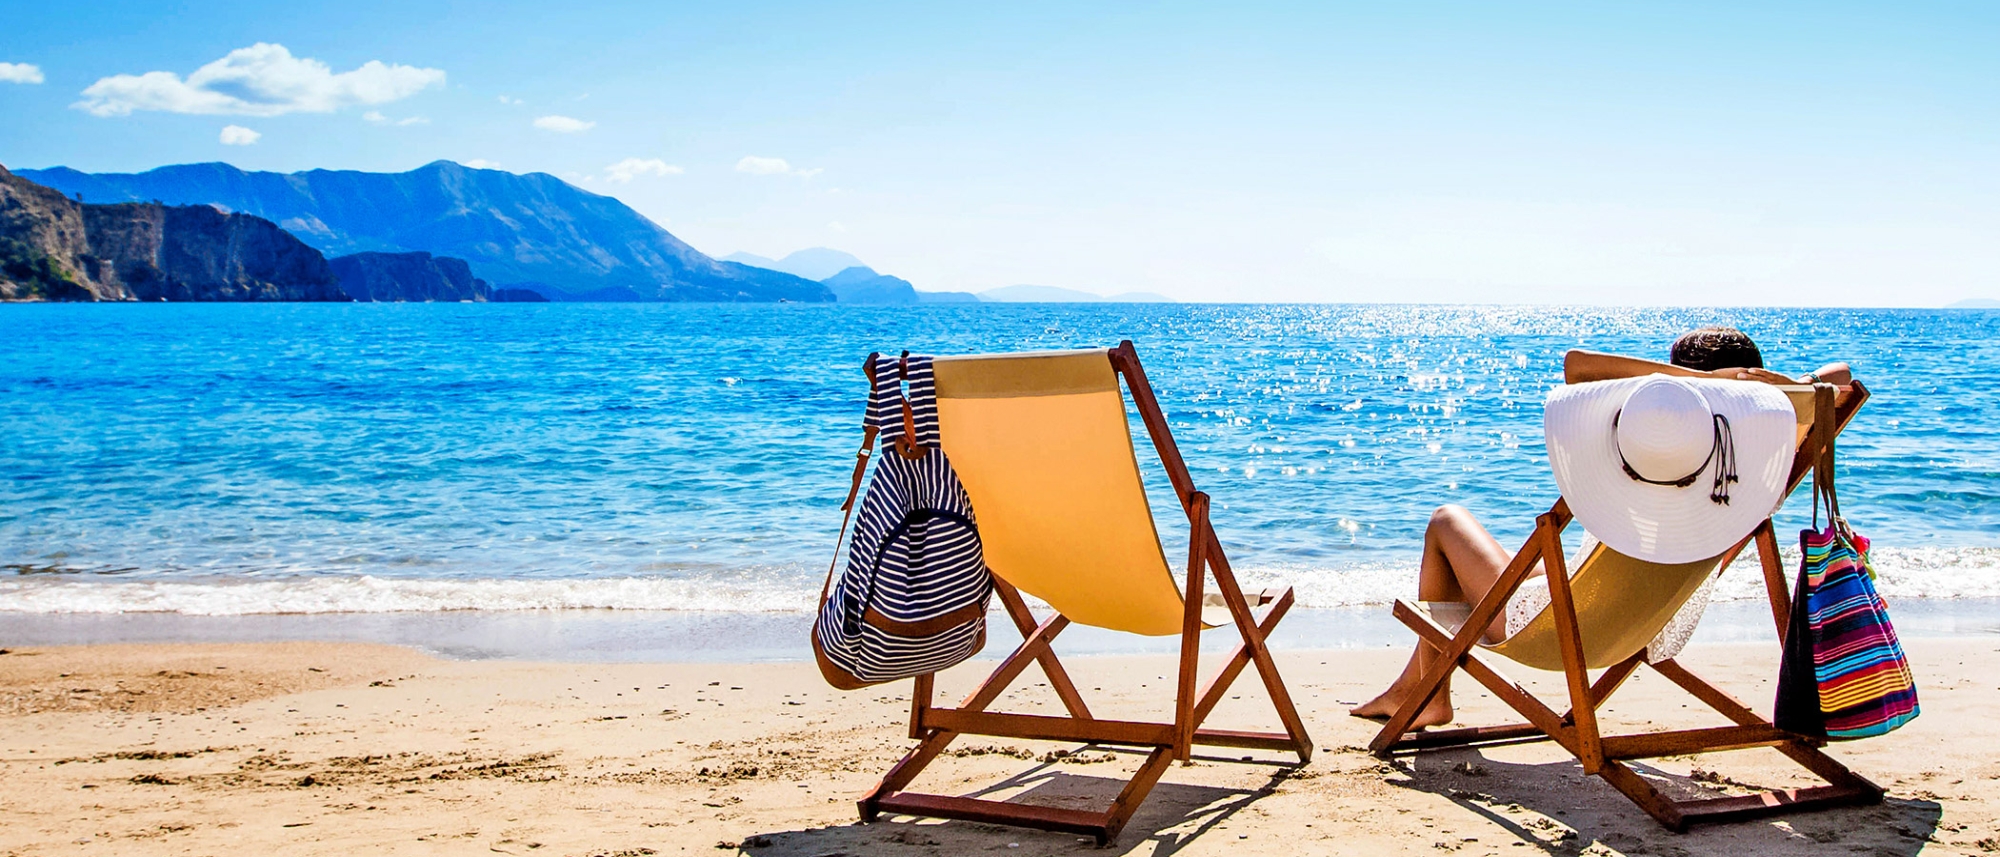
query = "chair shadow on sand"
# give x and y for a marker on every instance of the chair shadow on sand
(1579, 811)
(1174, 816)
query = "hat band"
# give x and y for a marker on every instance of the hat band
(1723, 441)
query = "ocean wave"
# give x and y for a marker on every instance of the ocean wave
(1963, 572)
(371, 594)
(1929, 573)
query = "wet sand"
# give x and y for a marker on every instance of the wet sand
(349, 748)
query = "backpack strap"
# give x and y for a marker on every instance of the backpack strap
(922, 400)
(909, 423)
(885, 395)
(883, 392)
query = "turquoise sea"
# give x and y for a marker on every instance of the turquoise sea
(367, 458)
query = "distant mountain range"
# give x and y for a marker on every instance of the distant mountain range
(398, 236)
(851, 281)
(1974, 303)
(861, 285)
(534, 230)
(812, 263)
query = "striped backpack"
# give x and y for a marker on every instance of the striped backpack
(913, 598)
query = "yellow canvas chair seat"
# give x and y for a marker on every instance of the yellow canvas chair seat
(1602, 618)
(1621, 603)
(1041, 443)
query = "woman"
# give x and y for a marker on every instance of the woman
(1462, 561)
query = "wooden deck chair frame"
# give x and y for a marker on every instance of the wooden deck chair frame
(1577, 731)
(935, 727)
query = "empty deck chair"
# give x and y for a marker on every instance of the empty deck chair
(1043, 448)
(1603, 618)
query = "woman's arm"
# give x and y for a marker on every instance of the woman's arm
(1581, 366)
(1831, 373)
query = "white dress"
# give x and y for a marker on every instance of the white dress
(1533, 596)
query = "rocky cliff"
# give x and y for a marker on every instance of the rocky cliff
(408, 277)
(55, 248)
(196, 253)
(515, 230)
(44, 254)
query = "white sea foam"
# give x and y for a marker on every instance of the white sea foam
(1966, 572)
(1905, 573)
(370, 594)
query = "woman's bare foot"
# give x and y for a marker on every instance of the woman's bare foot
(1437, 713)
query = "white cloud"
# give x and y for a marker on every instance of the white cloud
(376, 117)
(631, 168)
(482, 164)
(757, 166)
(260, 80)
(563, 124)
(20, 72)
(837, 226)
(516, 102)
(237, 135)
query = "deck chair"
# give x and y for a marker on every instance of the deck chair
(1603, 618)
(1042, 445)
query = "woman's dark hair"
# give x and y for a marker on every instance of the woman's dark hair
(1709, 348)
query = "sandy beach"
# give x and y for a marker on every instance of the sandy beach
(340, 748)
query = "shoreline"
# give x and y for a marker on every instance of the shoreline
(342, 748)
(662, 636)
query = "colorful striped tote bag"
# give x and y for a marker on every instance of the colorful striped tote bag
(1844, 674)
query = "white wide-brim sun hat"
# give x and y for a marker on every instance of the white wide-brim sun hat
(1637, 459)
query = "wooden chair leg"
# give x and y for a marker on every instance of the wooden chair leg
(1774, 578)
(1190, 661)
(1541, 717)
(1644, 795)
(905, 771)
(1576, 673)
(1253, 641)
(1135, 792)
(1613, 678)
(1232, 667)
(1059, 680)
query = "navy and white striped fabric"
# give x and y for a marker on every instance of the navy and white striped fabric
(914, 595)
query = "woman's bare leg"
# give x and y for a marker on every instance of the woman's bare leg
(1461, 563)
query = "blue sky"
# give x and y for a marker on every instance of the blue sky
(1626, 153)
